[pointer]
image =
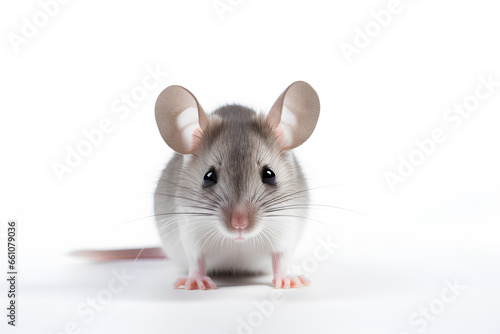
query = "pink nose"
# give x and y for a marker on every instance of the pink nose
(239, 219)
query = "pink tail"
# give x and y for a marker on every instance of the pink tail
(121, 254)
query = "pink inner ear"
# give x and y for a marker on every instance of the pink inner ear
(197, 136)
(280, 136)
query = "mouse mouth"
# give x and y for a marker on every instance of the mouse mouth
(240, 223)
(240, 237)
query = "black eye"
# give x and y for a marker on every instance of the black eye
(268, 176)
(210, 178)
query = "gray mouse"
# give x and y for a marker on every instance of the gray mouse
(233, 197)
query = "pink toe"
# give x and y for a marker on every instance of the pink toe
(211, 284)
(296, 282)
(189, 284)
(179, 282)
(199, 283)
(193, 283)
(304, 281)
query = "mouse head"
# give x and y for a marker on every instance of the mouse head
(238, 173)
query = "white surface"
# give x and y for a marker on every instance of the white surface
(442, 223)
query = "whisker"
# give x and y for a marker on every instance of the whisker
(307, 218)
(212, 232)
(209, 205)
(270, 242)
(307, 206)
(291, 196)
(156, 215)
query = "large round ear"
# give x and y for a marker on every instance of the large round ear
(295, 114)
(180, 118)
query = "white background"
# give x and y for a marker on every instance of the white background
(396, 252)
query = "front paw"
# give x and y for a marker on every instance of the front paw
(194, 282)
(287, 282)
